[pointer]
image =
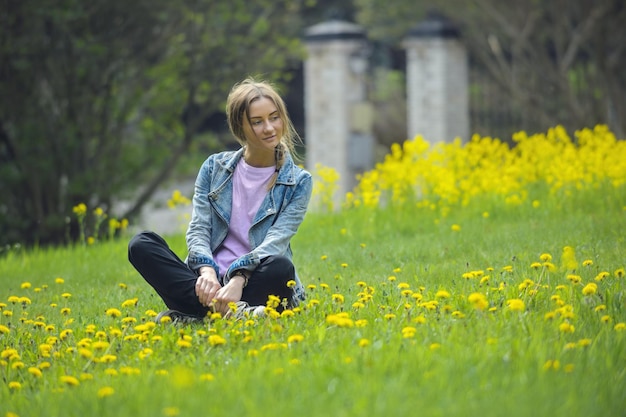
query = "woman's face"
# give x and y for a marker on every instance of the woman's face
(264, 127)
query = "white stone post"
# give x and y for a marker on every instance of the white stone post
(437, 82)
(338, 118)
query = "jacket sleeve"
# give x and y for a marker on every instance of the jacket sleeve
(198, 235)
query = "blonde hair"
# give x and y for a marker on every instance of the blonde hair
(241, 96)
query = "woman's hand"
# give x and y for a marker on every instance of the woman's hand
(229, 293)
(207, 286)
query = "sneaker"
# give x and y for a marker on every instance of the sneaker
(178, 317)
(244, 311)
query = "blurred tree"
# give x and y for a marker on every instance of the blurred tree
(557, 61)
(98, 98)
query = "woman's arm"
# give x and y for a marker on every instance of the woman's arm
(199, 232)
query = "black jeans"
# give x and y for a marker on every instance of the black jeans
(175, 282)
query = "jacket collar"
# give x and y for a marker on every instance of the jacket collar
(286, 175)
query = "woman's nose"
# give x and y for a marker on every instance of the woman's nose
(268, 126)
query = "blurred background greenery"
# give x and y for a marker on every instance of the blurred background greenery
(103, 101)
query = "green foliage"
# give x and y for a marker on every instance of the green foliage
(114, 93)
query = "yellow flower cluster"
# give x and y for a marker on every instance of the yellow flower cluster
(450, 174)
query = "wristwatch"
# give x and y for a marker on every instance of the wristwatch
(240, 273)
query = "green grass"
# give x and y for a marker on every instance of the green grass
(460, 362)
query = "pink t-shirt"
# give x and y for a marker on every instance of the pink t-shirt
(249, 190)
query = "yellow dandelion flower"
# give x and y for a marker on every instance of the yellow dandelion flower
(291, 283)
(587, 262)
(100, 345)
(590, 288)
(216, 340)
(515, 304)
(419, 319)
(408, 332)
(36, 372)
(295, 338)
(80, 209)
(442, 294)
(25, 285)
(130, 302)
(122, 285)
(391, 278)
(15, 386)
(287, 313)
(360, 323)
(338, 298)
(66, 295)
(571, 345)
(207, 377)
(86, 376)
(549, 266)
(601, 276)
(108, 358)
(340, 320)
(4, 329)
(458, 315)
(566, 327)
(105, 392)
(85, 353)
(455, 228)
(574, 279)
(435, 346)
(69, 380)
(545, 257)
(619, 273)
(619, 327)
(552, 364)
(364, 343)
(478, 300)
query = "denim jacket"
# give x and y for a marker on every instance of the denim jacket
(273, 226)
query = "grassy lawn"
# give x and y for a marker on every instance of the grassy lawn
(488, 309)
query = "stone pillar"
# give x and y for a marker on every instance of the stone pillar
(338, 117)
(437, 81)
